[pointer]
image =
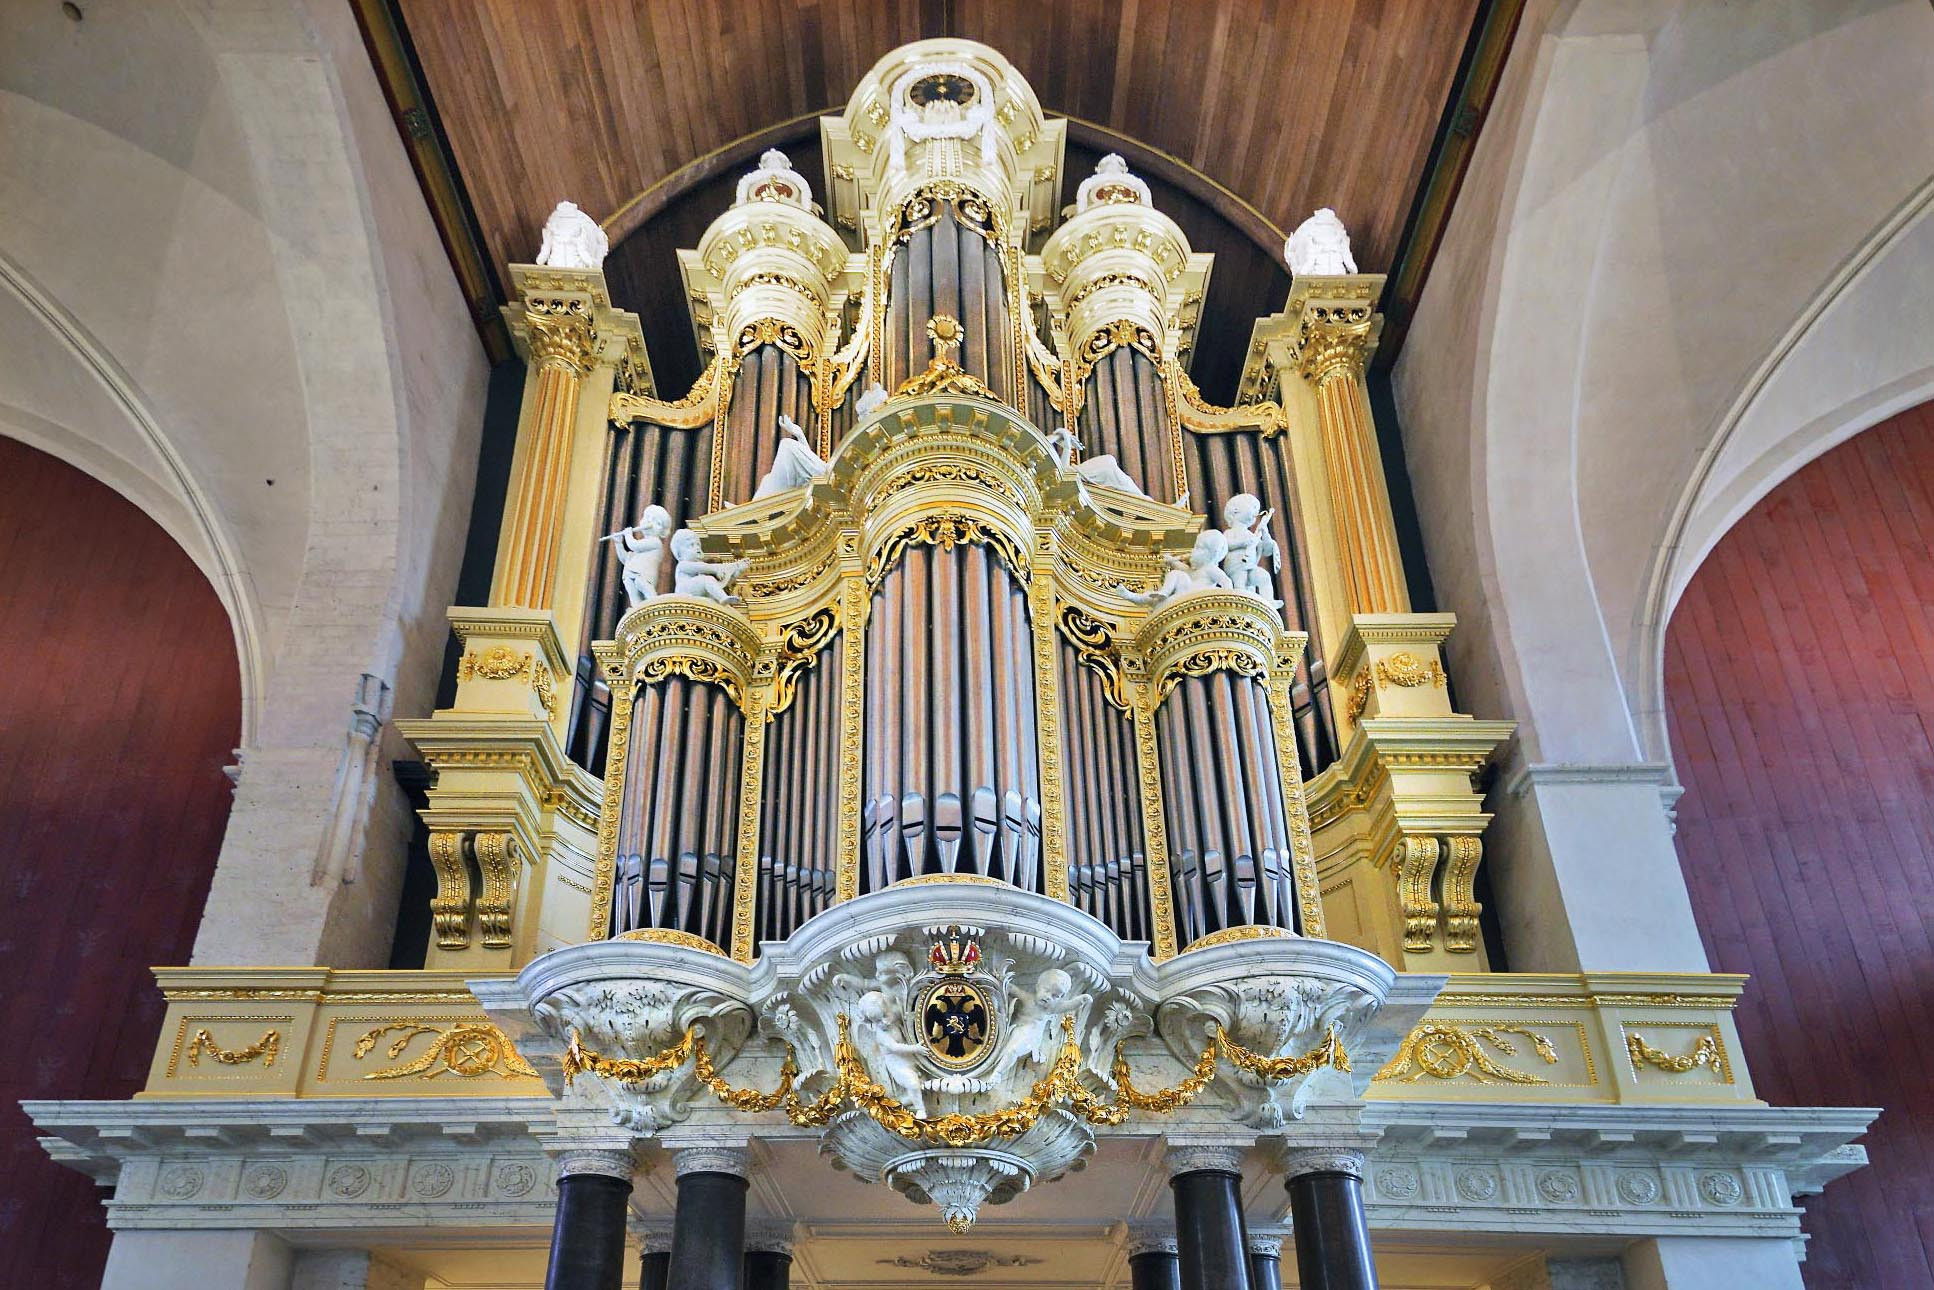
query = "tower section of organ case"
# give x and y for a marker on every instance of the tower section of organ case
(931, 600)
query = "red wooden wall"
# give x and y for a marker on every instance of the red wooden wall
(1800, 691)
(119, 705)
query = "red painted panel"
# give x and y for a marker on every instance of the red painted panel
(119, 704)
(1800, 692)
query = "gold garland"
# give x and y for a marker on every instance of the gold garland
(855, 1086)
(1704, 1053)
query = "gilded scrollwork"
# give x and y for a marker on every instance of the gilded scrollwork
(1098, 649)
(466, 1049)
(800, 644)
(947, 529)
(1444, 1051)
(696, 408)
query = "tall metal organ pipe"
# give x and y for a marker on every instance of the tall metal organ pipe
(678, 821)
(951, 775)
(1229, 836)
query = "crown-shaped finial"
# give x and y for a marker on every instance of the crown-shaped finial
(954, 954)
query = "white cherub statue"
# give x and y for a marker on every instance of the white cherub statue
(1202, 571)
(1103, 471)
(889, 1058)
(869, 401)
(1036, 1032)
(572, 240)
(793, 465)
(1247, 533)
(694, 575)
(644, 553)
(1320, 246)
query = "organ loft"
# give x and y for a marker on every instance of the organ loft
(941, 779)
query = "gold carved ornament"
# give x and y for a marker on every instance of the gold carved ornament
(268, 1048)
(468, 1050)
(1443, 1051)
(1189, 408)
(943, 375)
(1407, 670)
(1095, 645)
(1704, 1053)
(696, 666)
(799, 646)
(696, 408)
(947, 530)
(853, 1086)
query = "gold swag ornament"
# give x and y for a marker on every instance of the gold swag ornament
(854, 1087)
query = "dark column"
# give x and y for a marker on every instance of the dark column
(654, 1270)
(1152, 1260)
(588, 1239)
(1326, 1207)
(1209, 1239)
(1265, 1261)
(768, 1256)
(708, 1230)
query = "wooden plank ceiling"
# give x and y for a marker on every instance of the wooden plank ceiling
(1289, 106)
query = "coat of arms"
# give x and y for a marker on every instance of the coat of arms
(956, 1023)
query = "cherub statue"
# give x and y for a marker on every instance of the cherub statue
(1200, 572)
(894, 970)
(1036, 1032)
(694, 575)
(869, 401)
(1320, 246)
(644, 554)
(889, 1058)
(572, 240)
(1247, 533)
(1103, 471)
(795, 464)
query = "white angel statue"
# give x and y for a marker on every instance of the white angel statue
(869, 401)
(1320, 247)
(1103, 471)
(1200, 572)
(1247, 533)
(644, 555)
(694, 575)
(795, 463)
(1036, 1033)
(572, 240)
(889, 1058)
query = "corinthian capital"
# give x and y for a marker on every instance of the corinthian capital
(560, 334)
(1337, 339)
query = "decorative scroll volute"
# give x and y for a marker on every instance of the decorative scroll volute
(1208, 632)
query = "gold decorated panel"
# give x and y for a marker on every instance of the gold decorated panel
(315, 1032)
(1604, 1037)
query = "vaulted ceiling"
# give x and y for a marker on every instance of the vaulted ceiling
(1277, 108)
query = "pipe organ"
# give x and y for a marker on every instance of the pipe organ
(944, 570)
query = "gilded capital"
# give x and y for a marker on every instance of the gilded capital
(1337, 340)
(561, 334)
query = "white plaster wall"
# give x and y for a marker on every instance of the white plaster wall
(1663, 194)
(205, 206)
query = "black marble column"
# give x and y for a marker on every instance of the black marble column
(768, 1255)
(1326, 1207)
(1210, 1242)
(1153, 1263)
(1265, 1261)
(588, 1238)
(708, 1229)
